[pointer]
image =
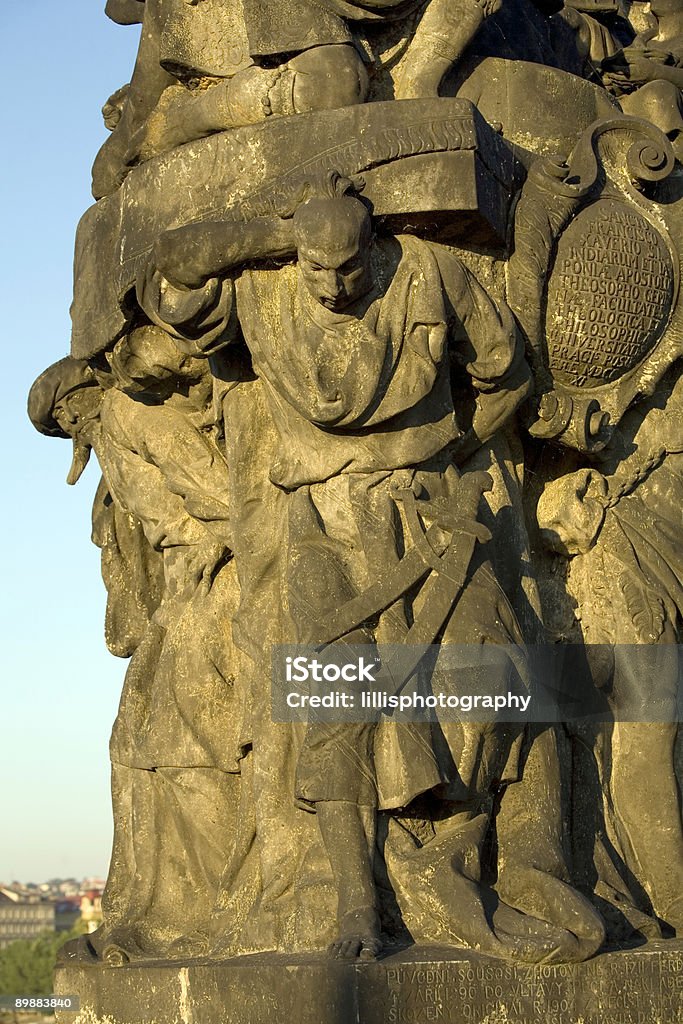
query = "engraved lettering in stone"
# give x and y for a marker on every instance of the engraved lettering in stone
(609, 295)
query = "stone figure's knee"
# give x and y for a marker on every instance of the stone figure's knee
(328, 77)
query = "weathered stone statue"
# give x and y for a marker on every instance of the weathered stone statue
(380, 359)
(619, 526)
(351, 345)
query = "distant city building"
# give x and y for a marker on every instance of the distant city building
(26, 909)
(93, 883)
(91, 909)
(67, 912)
(24, 916)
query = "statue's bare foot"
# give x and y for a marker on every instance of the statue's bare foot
(359, 936)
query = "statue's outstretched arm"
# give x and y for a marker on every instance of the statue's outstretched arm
(185, 287)
(190, 255)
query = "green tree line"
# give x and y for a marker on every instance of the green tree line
(27, 965)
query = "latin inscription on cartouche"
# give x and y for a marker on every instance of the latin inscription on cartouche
(609, 294)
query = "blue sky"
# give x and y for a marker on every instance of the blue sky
(60, 687)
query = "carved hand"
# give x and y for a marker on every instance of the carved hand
(641, 67)
(490, 6)
(204, 561)
(571, 511)
(177, 255)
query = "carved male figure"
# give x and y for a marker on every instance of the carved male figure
(255, 61)
(175, 743)
(621, 528)
(355, 344)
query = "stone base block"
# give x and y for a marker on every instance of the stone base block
(414, 986)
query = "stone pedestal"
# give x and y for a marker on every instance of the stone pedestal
(414, 986)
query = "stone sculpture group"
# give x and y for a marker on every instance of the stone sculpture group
(377, 340)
